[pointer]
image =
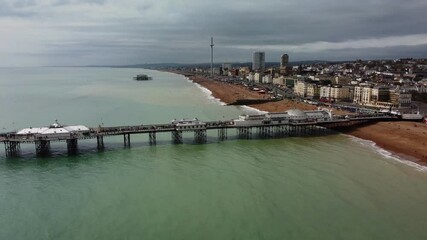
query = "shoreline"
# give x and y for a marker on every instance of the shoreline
(208, 93)
(401, 158)
(405, 140)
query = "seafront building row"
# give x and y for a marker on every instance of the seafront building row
(378, 84)
(368, 95)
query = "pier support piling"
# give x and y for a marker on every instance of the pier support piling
(152, 138)
(11, 148)
(126, 140)
(222, 134)
(279, 131)
(304, 130)
(294, 131)
(177, 137)
(244, 132)
(200, 136)
(100, 142)
(259, 131)
(264, 132)
(42, 147)
(72, 146)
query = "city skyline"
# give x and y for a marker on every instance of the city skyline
(111, 32)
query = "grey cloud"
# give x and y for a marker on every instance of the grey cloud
(322, 22)
(369, 53)
(180, 30)
(68, 2)
(24, 3)
(16, 9)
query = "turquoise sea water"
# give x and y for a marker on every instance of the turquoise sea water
(331, 187)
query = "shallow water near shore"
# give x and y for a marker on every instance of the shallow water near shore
(329, 187)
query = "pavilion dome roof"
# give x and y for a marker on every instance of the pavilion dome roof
(296, 113)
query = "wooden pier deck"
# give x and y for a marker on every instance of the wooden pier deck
(12, 140)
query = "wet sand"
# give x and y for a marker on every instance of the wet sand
(228, 93)
(405, 139)
(402, 138)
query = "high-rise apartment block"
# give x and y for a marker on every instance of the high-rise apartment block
(284, 60)
(258, 63)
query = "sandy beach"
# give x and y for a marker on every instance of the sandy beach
(405, 139)
(229, 93)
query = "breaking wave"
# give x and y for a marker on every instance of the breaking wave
(387, 154)
(251, 110)
(208, 93)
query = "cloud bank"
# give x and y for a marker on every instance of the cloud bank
(78, 32)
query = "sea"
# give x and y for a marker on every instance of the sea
(323, 187)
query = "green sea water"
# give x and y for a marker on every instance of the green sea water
(329, 187)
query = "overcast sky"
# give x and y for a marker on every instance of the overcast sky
(79, 32)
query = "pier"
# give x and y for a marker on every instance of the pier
(291, 128)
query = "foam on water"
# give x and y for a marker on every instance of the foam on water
(246, 109)
(387, 154)
(208, 93)
(252, 110)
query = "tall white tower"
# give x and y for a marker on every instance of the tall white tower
(212, 45)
